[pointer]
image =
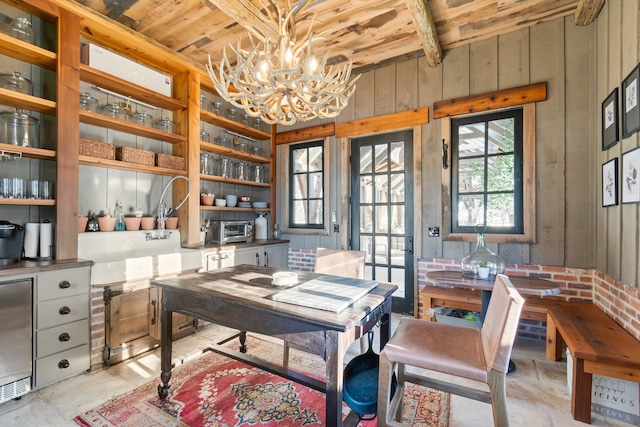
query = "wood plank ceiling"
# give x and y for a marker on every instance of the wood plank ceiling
(367, 32)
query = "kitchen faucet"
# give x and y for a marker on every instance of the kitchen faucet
(162, 215)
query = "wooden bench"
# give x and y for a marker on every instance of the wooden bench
(598, 346)
(536, 309)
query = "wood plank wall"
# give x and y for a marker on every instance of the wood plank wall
(617, 228)
(557, 52)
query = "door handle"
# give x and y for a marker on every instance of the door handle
(409, 247)
(154, 319)
(266, 259)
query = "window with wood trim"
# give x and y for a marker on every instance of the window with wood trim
(487, 173)
(306, 185)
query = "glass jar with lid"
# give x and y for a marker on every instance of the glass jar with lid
(258, 173)
(142, 118)
(242, 171)
(19, 128)
(216, 107)
(88, 103)
(232, 114)
(17, 83)
(166, 125)
(223, 141)
(482, 263)
(22, 30)
(115, 110)
(204, 135)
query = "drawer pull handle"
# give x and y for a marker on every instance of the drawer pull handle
(64, 337)
(63, 364)
(64, 310)
(64, 284)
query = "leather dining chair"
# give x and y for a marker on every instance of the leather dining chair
(481, 355)
(337, 262)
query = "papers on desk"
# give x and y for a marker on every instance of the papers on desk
(331, 293)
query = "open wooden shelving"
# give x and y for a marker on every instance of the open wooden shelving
(126, 166)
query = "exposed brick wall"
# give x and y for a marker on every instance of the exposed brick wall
(302, 259)
(620, 301)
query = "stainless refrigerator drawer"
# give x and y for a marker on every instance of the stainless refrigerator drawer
(60, 338)
(65, 310)
(62, 283)
(63, 365)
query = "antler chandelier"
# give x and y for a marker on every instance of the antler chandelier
(279, 80)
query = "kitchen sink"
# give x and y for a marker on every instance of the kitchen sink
(127, 256)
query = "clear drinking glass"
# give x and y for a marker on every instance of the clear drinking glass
(46, 190)
(241, 171)
(19, 188)
(225, 168)
(258, 173)
(6, 187)
(34, 189)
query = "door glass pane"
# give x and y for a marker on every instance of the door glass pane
(365, 159)
(397, 250)
(366, 189)
(382, 219)
(382, 273)
(381, 250)
(382, 165)
(366, 247)
(300, 160)
(500, 173)
(397, 278)
(315, 184)
(500, 210)
(381, 188)
(470, 210)
(501, 135)
(300, 186)
(471, 175)
(471, 140)
(397, 219)
(300, 212)
(397, 156)
(315, 159)
(366, 219)
(397, 188)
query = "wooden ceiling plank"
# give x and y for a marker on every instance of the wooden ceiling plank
(491, 101)
(587, 11)
(426, 30)
(246, 14)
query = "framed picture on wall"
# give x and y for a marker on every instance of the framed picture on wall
(630, 107)
(610, 183)
(630, 181)
(610, 134)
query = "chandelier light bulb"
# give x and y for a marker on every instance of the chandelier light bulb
(280, 81)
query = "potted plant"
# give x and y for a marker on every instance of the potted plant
(483, 269)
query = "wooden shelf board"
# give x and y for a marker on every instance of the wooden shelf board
(30, 152)
(28, 202)
(128, 89)
(230, 152)
(27, 102)
(209, 117)
(27, 52)
(102, 120)
(233, 181)
(219, 208)
(132, 167)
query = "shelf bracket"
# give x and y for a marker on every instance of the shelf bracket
(9, 155)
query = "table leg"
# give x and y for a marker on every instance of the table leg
(165, 351)
(335, 369)
(581, 392)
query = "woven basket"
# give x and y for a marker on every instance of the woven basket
(103, 150)
(134, 155)
(170, 162)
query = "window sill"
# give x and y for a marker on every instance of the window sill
(491, 238)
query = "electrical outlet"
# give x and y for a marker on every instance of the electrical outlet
(434, 231)
(336, 228)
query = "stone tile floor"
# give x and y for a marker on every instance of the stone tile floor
(537, 390)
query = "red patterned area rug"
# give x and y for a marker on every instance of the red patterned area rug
(216, 391)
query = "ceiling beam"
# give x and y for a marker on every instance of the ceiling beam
(246, 15)
(587, 11)
(426, 30)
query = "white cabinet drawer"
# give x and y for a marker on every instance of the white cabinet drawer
(60, 338)
(64, 310)
(62, 283)
(62, 365)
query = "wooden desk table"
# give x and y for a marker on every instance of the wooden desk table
(530, 286)
(240, 297)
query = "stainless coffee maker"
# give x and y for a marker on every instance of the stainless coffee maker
(11, 241)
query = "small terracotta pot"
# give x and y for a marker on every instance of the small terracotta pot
(132, 223)
(106, 223)
(207, 200)
(148, 222)
(171, 223)
(82, 224)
